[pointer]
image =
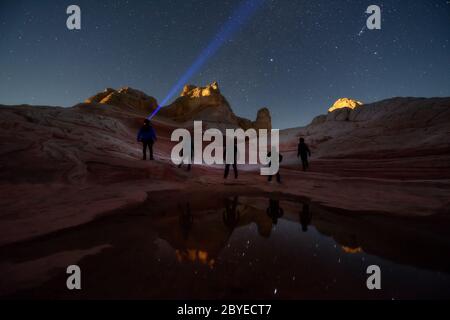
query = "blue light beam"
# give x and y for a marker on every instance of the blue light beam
(241, 15)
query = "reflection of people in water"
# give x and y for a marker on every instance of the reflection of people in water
(231, 215)
(280, 159)
(274, 210)
(189, 165)
(305, 217)
(186, 220)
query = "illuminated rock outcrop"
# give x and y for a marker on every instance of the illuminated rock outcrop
(345, 103)
(126, 98)
(197, 92)
(209, 105)
(194, 103)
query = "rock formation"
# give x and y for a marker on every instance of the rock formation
(345, 103)
(386, 133)
(126, 98)
(209, 105)
(200, 103)
(263, 119)
(195, 103)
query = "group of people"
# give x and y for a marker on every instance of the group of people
(147, 136)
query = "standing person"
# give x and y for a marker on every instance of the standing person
(147, 136)
(280, 159)
(189, 165)
(303, 153)
(227, 166)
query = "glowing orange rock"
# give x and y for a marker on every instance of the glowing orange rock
(345, 103)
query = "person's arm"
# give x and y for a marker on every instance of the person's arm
(139, 135)
(298, 150)
(309, 151)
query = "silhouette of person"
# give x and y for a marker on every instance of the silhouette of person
(304, 153)
(274, 211)
(192, 157)
(186, 220)
(305, 217)
(231, 215)
(147, 136)
(280, 159)
(227, 165)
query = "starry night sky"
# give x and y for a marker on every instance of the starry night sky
(294, 56)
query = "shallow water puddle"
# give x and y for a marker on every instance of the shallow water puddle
(212, 245)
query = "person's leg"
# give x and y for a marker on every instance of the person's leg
(189, 167)
(235, 171)
(144, 150)
(269, 178)
(304, 164)
(227, 170)
(278, 177)
(150, 146)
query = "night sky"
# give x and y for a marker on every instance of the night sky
(295, 57)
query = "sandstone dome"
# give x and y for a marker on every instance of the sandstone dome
(345, 103)
(125, 98)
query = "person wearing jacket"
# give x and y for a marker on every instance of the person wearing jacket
(303, 153)
(147, 136)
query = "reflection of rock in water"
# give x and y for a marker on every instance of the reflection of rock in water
(400, 240)
(215, 220)
(157, 248)
(350, 250)
(405, 241)
(420, 242)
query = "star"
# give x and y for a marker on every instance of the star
(360, 33)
